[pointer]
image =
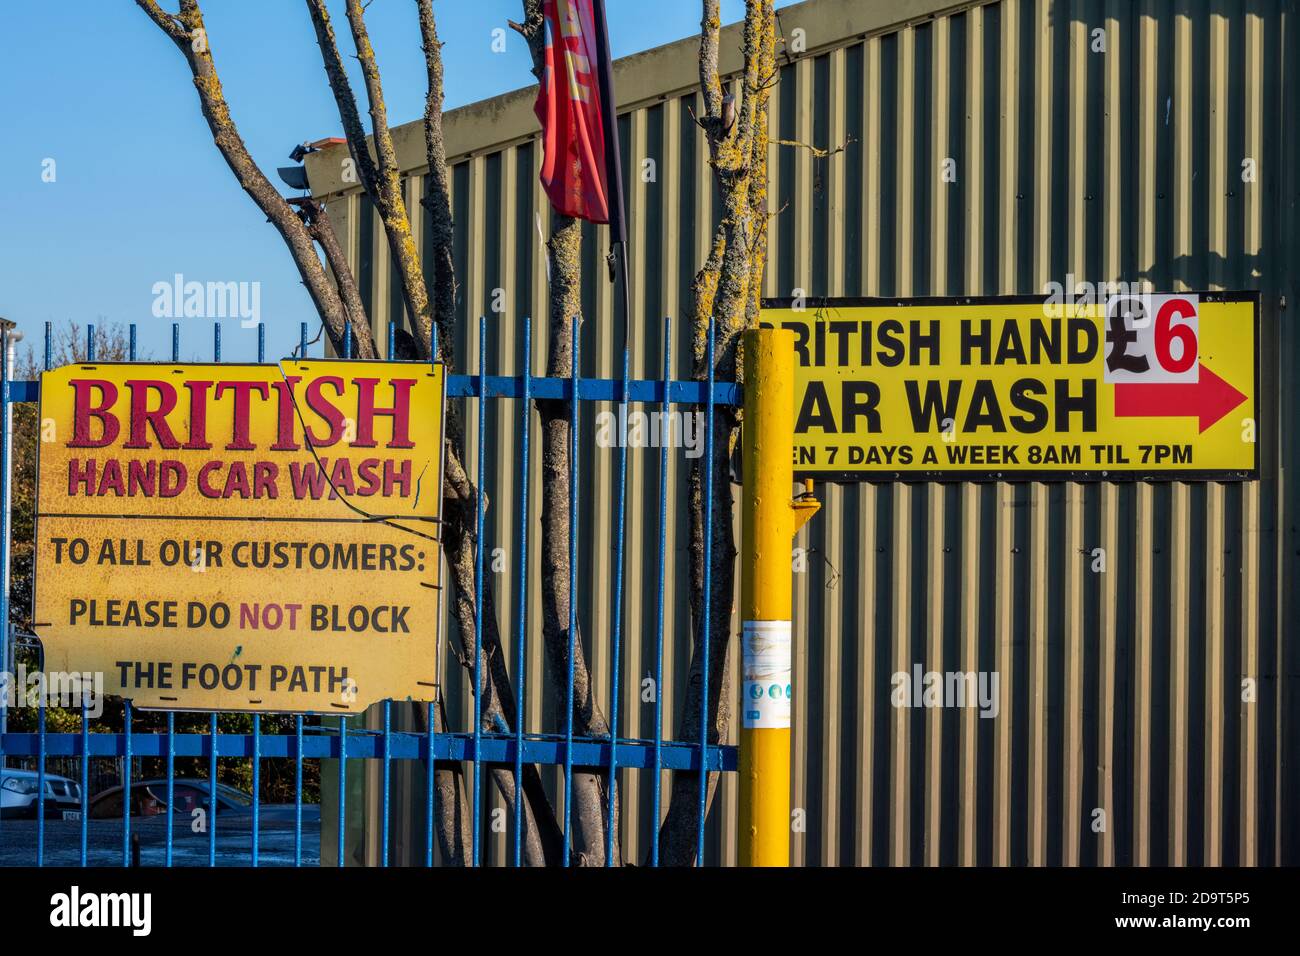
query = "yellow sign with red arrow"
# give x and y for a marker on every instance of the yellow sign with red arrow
(1122, 387)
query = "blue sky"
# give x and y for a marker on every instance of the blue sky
(140, 193)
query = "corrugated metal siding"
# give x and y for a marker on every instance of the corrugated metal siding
(1122, 690)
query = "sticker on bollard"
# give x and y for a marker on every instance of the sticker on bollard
(766, 688)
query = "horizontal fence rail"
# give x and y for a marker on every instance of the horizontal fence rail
(341, 739)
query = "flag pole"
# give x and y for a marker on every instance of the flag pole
(613, 173)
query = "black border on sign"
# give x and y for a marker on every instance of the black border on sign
(815, 303)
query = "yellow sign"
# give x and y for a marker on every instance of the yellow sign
(242, 537)
(1129, 387)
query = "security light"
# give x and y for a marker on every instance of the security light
(293, 176)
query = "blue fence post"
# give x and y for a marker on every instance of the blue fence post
(212, 789)
(343, 785)
(40, 782)
(576, 377)
(662, 567)
(706, 602)
(297, 792)
(620, 523)
(387, 768)
(478, 589)
(430, 769)
(6, 518)
(429, 783)
(525, 427)
(126, 783)
(85, 783)
(257, 783)
(171, 783)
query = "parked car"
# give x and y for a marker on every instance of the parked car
(149, 798)
(20, 793)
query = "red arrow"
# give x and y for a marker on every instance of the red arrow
(1208, 399)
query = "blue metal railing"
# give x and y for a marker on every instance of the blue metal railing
(343, 742)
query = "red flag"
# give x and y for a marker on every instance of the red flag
(574, 169)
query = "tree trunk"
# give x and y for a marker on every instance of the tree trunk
(381, 180)
(727, 290)
(590, 797)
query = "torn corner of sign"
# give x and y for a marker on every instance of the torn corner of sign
(766, 663)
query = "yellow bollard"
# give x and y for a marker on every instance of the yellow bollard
(769, 521)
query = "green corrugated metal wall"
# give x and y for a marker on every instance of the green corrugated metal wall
(1122, 690)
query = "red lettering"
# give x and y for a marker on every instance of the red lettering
(341, 478)
(142, 417)
(172, 479)
(83, 477)
(1166, 332)
(322, 407)
(242, 390)
(308, 479)
(236, 481)
(285, 427)
(141, 478)
(400, 412)
(264, 475)
(83, 411)
(198, 416)
(206, 490)
(111, 479)
(394, 476)
(369, 475)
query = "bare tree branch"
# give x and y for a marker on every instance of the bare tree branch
(381, 178)
(322, 230)
(167, 22)
(187, 31)
(815, 150)
(397, 222)
(710, 83)
(343, 96)
(533, 30)
(438, 194)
